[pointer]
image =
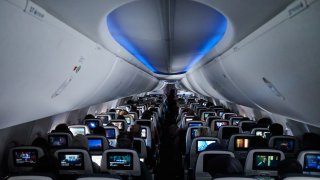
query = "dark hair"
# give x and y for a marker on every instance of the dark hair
(125, 140)
(47, 164)
(289, 166)
(89, 116)
(264, 122)
(42, 143)
(276, 129)
(63, 128)
(310, 141)
(99, 131)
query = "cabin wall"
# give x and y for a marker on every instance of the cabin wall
(276, 68)
(48, 68)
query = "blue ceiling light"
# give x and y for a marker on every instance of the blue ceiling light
(121, 39)
(219, 32)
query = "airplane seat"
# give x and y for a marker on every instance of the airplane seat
(206, 114)
(99, 177)
(112, 133)
(289, 145)
(263, 162)
(93, 123)
(235, 120)
(74, 162)
(59, 140)
(97, 144)
(123, 162)
(264, 132)
(23, 158)
(185, 119)
(193, 132)
(302, 177)
(216, 124)
(129, 119)
(247, 126)
(194, 124)
(120, 123)
(234, 178)
(209, 119)
(146, 135)
(113, 115)
(104, 118)
(239, 144)
(202, 163)
(225, 132)
(140, 146)
(30, 177)
(79, 129)
(227, 116)
(198, 145)
(310, 161)
(134, 115)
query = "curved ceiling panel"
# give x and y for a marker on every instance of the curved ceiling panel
(168, 37)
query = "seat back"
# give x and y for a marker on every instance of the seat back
(235, 120)
(23, 158)
(129, 119)
(92, 123)
(263, 162)
(216, 124)
(104, 118)
(247, 126)
(310, 161)
(59, 140)
(121, 162)
(74, 161)
(29, 177)
(185, 119)
(209, 120)
(120, 123)
(193, 132)
(198, 145)
(140, 146)
(79, 129)
(201, 169)
(194, 124)
(227, 116)
(239, 144)
(225, 132)
(146, 135)
(263, 132)
(134, 115)
(112, 133)
(97, 144)
(113, 115)
(289, 145)
(206, 114)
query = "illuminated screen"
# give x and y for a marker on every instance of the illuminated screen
(283, 144)
(96, 159)
(104, 118)
(312, 162)
(265, 161)
(77, 130)
(189, 119)
(241, 144)
(70, 160)
(194, 124)
(228, 132)
(221, 113)
(202, 144)
(228, 116)
(264, 134)
(25, 157)
(218, 124)
(58, 141)
(198, 132)
(144, 133)
(128, 120)
(120, 160)
(236, 121)
(120, 125)
(207, 114)
(110, 133)
(95, 144)
(92, 124)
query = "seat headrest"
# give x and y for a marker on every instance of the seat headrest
(23, 158)
(27, 177)
(264, 132)
(287, 144)
(263, 162)
(240, 142)
(120, 123)
(121, 162)
(310, 161)
(79, 129)
(140, 146)
(58, 140)
(225, 132)
(74, 161)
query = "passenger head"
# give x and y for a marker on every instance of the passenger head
(135, 130)
(276, 129)
(214, 146)
(310, 141)
(42, 143)
(289, 166)
(264, 122)
(99, 131)
(89, 116)
(147, 114)
(47, 164)
(258, 142)
(125, 140)
(121, 117)
(123, 112)
(79, 142)
(62, 128)
(223, 165)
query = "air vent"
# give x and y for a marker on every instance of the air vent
(273, 89)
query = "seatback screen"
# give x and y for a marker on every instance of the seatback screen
(265, 161)
(194, 124)
(144, 133)
(235, 121)
(203, 144)
(198, 132)
(92, 124)
(218, 124)
(58, 141)
(77, 130)
(95, 144)
(285, 145)
(264, 133)
(120, 161)
(110, 133)
(25, 157)
(119, 124)
(241, 143)
(312, 162)
(71, 160)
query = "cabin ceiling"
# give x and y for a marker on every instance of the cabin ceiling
(165, 37)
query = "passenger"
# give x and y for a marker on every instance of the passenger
(276, 129)
(79, 142)
(123, 112)
(215, 146)
(136, 130)
(258, 142)
(264, 122)
(224, 165)
(289, 166)
(99, 131)
(62, 128)
(43, 144)
(209, 104)
(147, 114)
(89, 116)
(125, 141)
(310, 141)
